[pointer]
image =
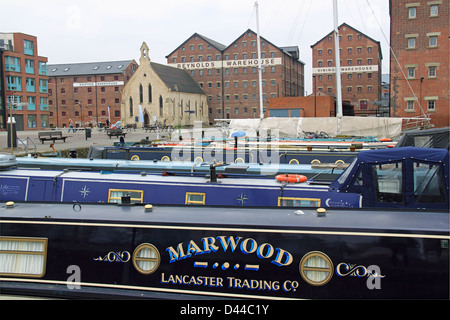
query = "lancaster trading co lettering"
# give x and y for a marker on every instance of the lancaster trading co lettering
(231, 244)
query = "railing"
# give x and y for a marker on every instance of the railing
(422, 122)
(25, 144)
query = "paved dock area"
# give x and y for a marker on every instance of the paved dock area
(78, 139)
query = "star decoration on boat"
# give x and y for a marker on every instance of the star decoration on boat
(85, 191)
(242, 199)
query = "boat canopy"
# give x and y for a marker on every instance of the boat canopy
(430, 138)
(399, 177)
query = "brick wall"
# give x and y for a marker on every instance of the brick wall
(361, 56)
(86, 105)
(232, 87)
(31, 117)
(420, 77)
(323, 106)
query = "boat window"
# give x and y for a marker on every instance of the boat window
(388, 182)
(115, 195)
(195, 198)
(316, 268)
(347, 172)
(358, 181)
(298, 202)
(146, 258)
(23, 257)
(428, 183)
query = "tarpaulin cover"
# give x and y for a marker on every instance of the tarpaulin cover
(430, 138)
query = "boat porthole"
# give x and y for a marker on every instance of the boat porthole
(339, 162)
(316, 161)
(294, 161)
(316, 268)
(239, 160)
(135, 157)
(146, 258)
(165, 158)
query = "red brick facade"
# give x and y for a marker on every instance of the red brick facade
(360, 58)
(322, 105)
(229, 74)
(25, 79)
(81, 93)
(420, 68)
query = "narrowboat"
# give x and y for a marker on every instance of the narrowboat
(62, 250)
(265, 154)
(325, 172)
(407, 177)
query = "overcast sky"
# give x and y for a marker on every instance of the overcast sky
(94, 30)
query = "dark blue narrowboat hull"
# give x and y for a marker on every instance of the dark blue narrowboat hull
(98, 251)
(399, 177)
(94, 187)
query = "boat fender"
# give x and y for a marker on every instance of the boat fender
(294, 178)
(321, 212)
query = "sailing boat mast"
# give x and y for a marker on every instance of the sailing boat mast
(261, 113)
(338, 62)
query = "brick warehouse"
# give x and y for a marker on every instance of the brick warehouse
(420, 79)
(229, 74)
(24, 79)
(361, 59)
(82, 92)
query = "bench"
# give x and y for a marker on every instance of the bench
(150, 128)
(115, 132)
(51, 135)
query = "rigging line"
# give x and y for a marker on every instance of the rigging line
(251, 17)
(273, 15)
(396, 60)
(296, 20)
(360, 15)
(350, 14)
(304, 21)
(231, 69)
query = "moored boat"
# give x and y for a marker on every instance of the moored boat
(397, 177)
(117, 251)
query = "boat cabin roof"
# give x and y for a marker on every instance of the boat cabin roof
(384, 220)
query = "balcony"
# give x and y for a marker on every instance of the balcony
(30, 86)
(12, 67)
(43, 86)
(44, 104)
(31, 103)
(13, 83)
(28, 47)
(42, 68)
(29, 70)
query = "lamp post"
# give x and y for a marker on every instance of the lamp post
(314, 77)
(81, 110)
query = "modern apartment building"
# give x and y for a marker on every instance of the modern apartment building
(87, 94)
(419, 66)
(24, 82)
(229, 74)
(360, 59)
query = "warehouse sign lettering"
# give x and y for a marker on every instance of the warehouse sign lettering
(227, 63)
(346, 69)
(98, 84)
